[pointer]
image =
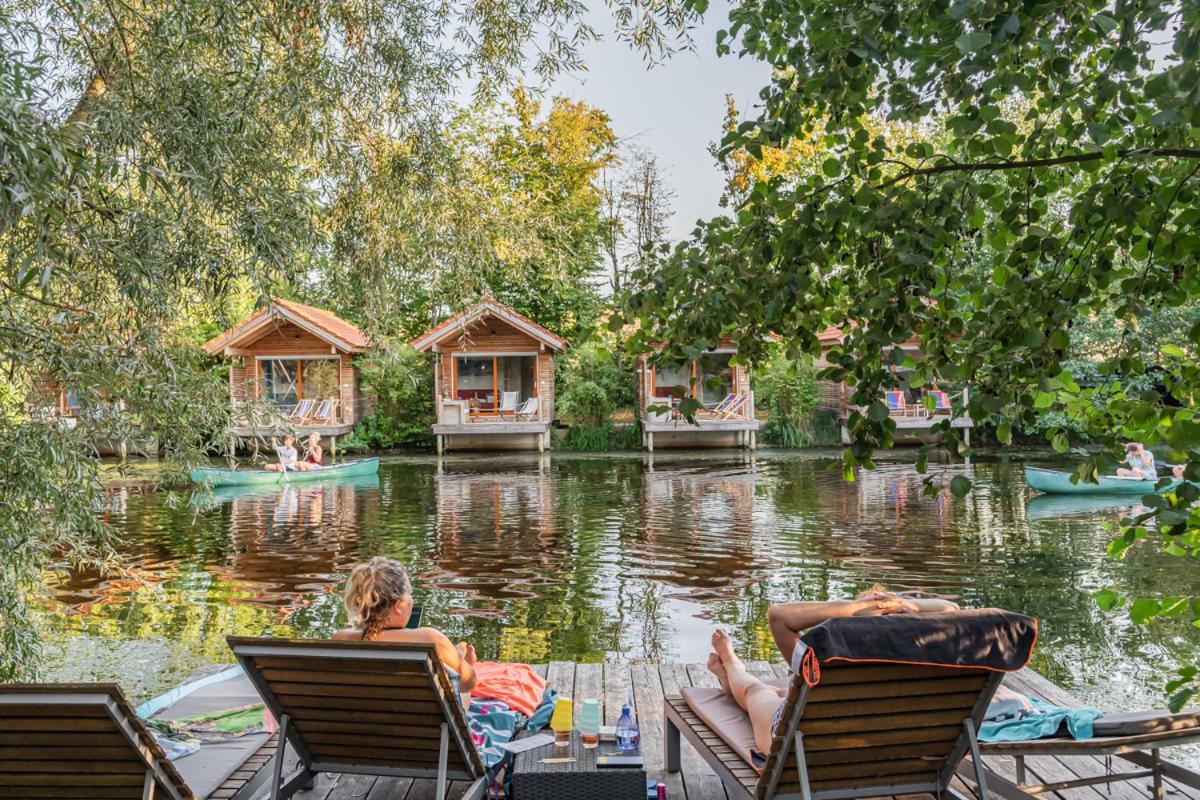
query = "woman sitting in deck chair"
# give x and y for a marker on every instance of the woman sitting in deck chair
(379, 603)
(764, 703)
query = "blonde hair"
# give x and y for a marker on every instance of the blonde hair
(372, 589)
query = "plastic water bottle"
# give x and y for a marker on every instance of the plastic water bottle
(629, 737)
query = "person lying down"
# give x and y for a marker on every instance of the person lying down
(762, 702)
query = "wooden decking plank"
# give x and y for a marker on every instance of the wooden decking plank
(648, 699)
(390, 789)
(699, 780)
(589, 683)
(560, 676)
(616, 689)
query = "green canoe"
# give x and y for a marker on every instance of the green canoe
(252, 477)
(1055, 482)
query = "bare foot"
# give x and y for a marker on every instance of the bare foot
(717, 668)
(723, 647)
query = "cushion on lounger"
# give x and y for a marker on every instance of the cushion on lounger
(725, 717)
(1136, 723)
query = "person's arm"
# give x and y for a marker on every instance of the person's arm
(449, 654)
(789, 620)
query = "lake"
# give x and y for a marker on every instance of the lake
(537, 558)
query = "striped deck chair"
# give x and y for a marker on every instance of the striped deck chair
(717, 409)
(324, 413)
(875, 723)
(71, 741)
(371, 708)
(302, 411)
(736, 408)
(941, 401)
(898, 405)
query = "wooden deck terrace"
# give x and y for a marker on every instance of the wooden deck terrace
(649, 683)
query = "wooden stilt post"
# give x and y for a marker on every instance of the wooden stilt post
(650, 442)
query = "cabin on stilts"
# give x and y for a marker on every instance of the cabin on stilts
(912, 406)
(494, 379)
(293, 370)
(726, 417)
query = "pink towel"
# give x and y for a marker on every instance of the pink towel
(515, 684)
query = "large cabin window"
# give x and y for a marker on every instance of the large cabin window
(287, 381)
(670, 382)
(484, 380)
(715, 378)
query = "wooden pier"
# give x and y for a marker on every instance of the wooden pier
(649, 683)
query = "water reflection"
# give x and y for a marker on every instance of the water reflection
(621, 557)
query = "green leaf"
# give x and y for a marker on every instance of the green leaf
(832, 168)
(1143, 610)
(1107, 599)
(972, 42)
(1106, 23)
(960, 485)
(877, 412)
(1044, 399)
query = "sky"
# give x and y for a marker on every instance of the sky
(674, 110)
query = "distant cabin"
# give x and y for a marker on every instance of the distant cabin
(906, 401)
(722, 388)
(298, 363)
(494, 379)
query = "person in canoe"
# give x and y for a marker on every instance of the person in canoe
(763, 702)
(314, 454)
(1140, 461)
(379, 604)
(288, 459)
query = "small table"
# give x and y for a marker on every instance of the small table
(580, 779)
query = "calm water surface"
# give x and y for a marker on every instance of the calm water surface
(535, 558)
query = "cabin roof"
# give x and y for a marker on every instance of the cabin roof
(325, 325)
(486, 307)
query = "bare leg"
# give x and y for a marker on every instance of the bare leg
(274, 468)
(1122, 472)
(758, 699)
(717, 668)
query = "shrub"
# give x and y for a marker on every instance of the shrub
(402, 381)
(592, 363)
(586, 403)
(788, 390)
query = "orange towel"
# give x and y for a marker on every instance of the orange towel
(515, 684)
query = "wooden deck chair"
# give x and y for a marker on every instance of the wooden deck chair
(508, 403)
(854, 729)
(324, 413)
(528, 411)
(736, 408)
(69, 741)
(302, 411)
(372, 708)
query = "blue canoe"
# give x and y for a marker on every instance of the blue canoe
(260, 477)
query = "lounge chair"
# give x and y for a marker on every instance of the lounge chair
(323, 415)
(508, 403)
(1134, 737)
(68, 741)
(528, 410)
(368, 708)
(302, 411)
(879, 721)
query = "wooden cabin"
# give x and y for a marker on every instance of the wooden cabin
(293, 367)
(906, 403)
(721, 387)
(494, 379)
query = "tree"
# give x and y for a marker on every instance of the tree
(1068, 159)
(635, 210)
(154, 155)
